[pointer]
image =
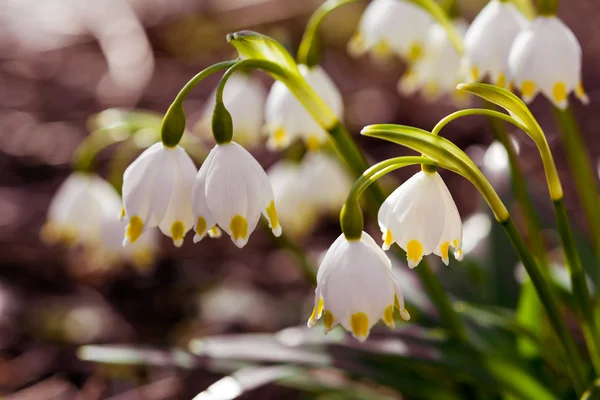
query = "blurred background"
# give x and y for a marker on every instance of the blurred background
(63, 61)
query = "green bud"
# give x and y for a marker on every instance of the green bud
(352, 220)
(173, 125)
(222, 124)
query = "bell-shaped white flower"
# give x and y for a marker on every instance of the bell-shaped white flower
(286, 118)
(244, 97)
(356, 287)
(439, 70)
(421, 217)
(328, 180)
(157, 189)
(546, 57)
(232, 190)
(296, 212)
(488, 42)
(78, 209)
(392, 26)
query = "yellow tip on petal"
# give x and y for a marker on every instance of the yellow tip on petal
(313, 143)
(122, 213)
(458, 255)
(388, 316)
(200, 226)
(134, 229)
(273, 219)
(215, 232)
(528, 89)
(382, 51)
(388, 239)
(359, 323)
(414, 253)
(404, 314)
(455, 243)
(444, 252)
(415, 52)
(239, 229)
(328, 319)
(580, 93)
(559, 92)
(474, 74)
(279, 136)
(177, 233)
(316, 313)
(501, 80)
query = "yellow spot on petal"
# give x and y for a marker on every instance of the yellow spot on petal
(580, 91)
(388, 316)
(501, 80)
(444, 250)
(528, 88)
(382, 50)
(177, 231)
(415, 52)
(239, 227)
(279, 136)
(455, 243)
(200, 226)
(313, 143)
(414, 251)
(328, 319)
(214, 232)
(317, 311)
(359, 323)
(134, 229)
(122, 213)
(389, 238)
(474, 73)
(559, 92)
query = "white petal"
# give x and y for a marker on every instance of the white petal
(452, 235)
(329, 181)
(202, 216)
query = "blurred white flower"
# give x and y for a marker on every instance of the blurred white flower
(244, 97)
(421, 217)
(295, 210)
(488, 42)
(157, 189)
(546, 57)
(232, 190)
(79, 208)
(356, 288)
(286, 118)
(439, 70)
(391, 26)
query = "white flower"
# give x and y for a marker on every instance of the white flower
(329, 182)
(79, 208)
(546, 57)
(439, 70)
(244, 97)
(488, 42)
(157, 189)
(421, 217)
(232, 190)
(140, 254)
(356, 287)
(391, 26)
(297, 213)
(286, 118)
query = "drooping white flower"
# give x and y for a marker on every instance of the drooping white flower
(78, 209)
(392, 26)
(488, 42)
(356, 287)
(296, 212)
(328, 181)
(286, 118)
(231, 190)
(439, 70)
(157, 189)
(244, 97)
(421, 217)
(546, 57)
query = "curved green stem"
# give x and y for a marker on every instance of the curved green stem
(475, 111)
(309, 52)
(173, 123)
(583, 175)
(94, 143)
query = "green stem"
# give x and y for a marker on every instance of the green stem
(309, 52)
(578, 283)
(547, 7)
(95, 142)
(549, 301)
(583, 176)
(173, 123)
